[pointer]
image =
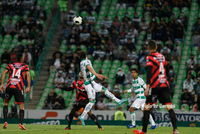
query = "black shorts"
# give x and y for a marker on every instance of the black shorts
(18, 94)
(80, 104)
(162, 94)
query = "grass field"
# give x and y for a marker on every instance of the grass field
(78, 129)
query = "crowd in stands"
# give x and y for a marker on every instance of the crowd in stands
(118, 40)
(24, 28)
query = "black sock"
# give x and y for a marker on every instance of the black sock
(94, 118)
(21, 116)
(173, 118)
(145, 121)
(70, 119)
(5, 113)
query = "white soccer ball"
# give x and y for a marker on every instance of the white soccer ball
(77, 20)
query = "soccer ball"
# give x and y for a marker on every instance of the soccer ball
(77, 20)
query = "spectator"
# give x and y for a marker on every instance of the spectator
(91, 19)
(27, 56)
(106, 22)
(1, 29)
(123, 26)
(85, 37)
(186, 98)
(142, 64)
(136, 20)
(121, 6)
(159, 33)
(61, 101)
(24, 33)
(153, 23)
(148, 6)
(122, 36)
(188, 83)
(116, 23)
(9, 28)
(57, 106)
(120, 76)
(117, 91)
(178, 32)
(98, 53)
(5, 57)
(196, 26)
(17, 28)
(88, 26)
(196, 100)
(101, 105)
(197, 86)
(56, 63)
(103, 32)
(111, 106)
(46, 106)
(66, 32)
(120, 115)
(42, 14)
(95, 5)
(95, 38)
(166, 53)
(14, 55)
(192, 62)
(183, 19)
(116, 53)
(132, 58)
(126, 19)
(171, 79)
(143, 24)
(53, 92)
(69, 80)
(114, 37)
(124, 53)
(57, 52)
(195, 108)
(59, 80)
(130, 36)
(68, 54)
(195, 40)
(21, 22)
(175, 54)
(166, 9)
(51, 99)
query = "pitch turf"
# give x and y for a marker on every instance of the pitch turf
(78, 129)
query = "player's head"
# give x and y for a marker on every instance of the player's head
(152, 45)
(19, 57)
(82, 55)
(134, 73)
(80, 75)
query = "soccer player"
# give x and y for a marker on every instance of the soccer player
(138, 86)
(15, 83)
(91, 86)
(157, 87)
(81, 100)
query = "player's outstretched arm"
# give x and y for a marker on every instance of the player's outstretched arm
(29, 81)
(65, 88)
(100, 76)
(2, 80)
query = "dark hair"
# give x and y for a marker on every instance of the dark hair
(152, 44)
(19, 56)
(82, 55)
(134, 69)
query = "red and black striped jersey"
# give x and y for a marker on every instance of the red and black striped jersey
(81, 93)
(156, 70)
(16, 76)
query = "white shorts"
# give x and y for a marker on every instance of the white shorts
(90, 91)
(97, 87)
(138, 104)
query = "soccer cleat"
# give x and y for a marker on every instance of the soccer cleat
(138, 132)
(82, 120)
(122, 101)
(21, 127)
(175, 132)
(131, 126)
(68, 128)
(153, 127)
(5, 125)
(100, 128)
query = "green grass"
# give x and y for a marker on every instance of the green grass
(78, 129)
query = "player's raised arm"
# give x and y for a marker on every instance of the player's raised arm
(100, 76)
(2, 80)
(29, 81)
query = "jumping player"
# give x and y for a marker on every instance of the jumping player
(157, 87)
(15, 83)
(91, 86)
(81, 100)
(138, 86)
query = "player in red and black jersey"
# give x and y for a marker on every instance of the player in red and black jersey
(157, 87)
(81, 100)
(15, 83)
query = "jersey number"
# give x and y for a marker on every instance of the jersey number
(17, 74)
(162, 70)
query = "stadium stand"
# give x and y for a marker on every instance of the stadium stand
(21, 31)
(117, 26)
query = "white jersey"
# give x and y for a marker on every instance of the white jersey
(138, 86)
(87, 75)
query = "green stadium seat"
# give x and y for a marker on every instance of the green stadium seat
(24, 42)
(185, 10)
(107, 62)
(8, 37)
(176, 11)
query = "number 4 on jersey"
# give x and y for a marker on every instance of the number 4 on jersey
(17, 74)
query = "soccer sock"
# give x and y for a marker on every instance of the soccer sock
(145, 121)
(70, 119)
(94, 118)
(5, 113)
(87, 109)
(21, 116)
(110, 95)
(151, 120)
(133, 118)
(173, 118)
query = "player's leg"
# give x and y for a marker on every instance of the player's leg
(94, 118)
(132, 113)
(99, 88)
(19, 98)
(153, 124)
(88, 107)
(164, 98)
(71, 115)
